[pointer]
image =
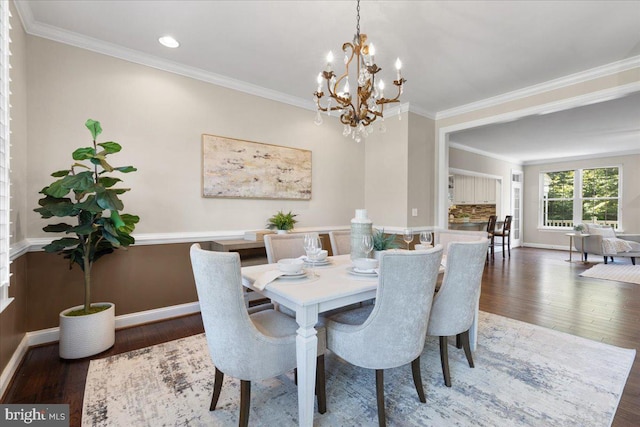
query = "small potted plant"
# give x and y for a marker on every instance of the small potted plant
(282, 222)
(579, 228)
(465, 217)
(86, 196)
(382, 242)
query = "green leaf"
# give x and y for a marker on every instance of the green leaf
(117, 221)
(94, 127)
(60, 244)
(60, 174)
(126, 169)
(90, 205)
(56, 207)
(83, 230)
(84, 153)
(56, 189)
(57, 228)
(108, 199)
(111, 238)
(108, 181)
(110, 147)
(80, 165)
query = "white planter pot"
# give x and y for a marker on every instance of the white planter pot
(83, 336)
(282, 231)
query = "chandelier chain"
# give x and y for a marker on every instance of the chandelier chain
(358, 20)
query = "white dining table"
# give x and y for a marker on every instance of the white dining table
(332, 286)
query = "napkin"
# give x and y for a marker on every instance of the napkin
(266, 278)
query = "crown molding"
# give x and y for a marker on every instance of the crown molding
(585, 157)
(572, 79)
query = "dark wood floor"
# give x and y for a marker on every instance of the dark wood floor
(535, 286)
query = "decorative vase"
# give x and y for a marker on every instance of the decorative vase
(83, 336)
(282, 231)
(360, 226)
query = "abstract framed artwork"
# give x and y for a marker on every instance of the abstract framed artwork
(233, 168)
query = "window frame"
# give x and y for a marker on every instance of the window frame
(5, 195)
(578, 196)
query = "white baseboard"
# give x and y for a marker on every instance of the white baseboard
(12, 366)
(45, 336)
(544, 246)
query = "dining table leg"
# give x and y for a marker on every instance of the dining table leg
(306, 354)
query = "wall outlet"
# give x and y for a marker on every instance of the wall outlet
(414, 212)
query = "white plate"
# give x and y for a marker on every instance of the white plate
(317, 263)
(353, 270)
(297, 275)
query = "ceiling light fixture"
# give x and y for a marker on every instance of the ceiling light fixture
(169, 41)
(356, 113)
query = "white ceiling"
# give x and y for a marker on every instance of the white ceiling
(454, 52)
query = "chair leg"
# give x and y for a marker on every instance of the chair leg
(585, 257)
(464, 337)
(605, 259)
(417, 379)
(382, 421)
(444, 360)
(503, 242)
(245, 401)
(321, 392)
(633, 260)
(458, 341)
(509, 244)
(217, 387)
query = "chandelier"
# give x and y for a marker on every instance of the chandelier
(357, 110)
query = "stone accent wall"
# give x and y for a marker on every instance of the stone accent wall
(476, 212)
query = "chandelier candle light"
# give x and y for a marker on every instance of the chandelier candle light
(356, 113)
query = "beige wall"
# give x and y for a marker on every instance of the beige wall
(386, 156)
(630, 197)
(159, 117)
(421, 171)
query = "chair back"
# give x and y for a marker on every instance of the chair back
(446, 237)
(491, 225)
(454, 305)
(281, 246)
(340, 242)
(235, 344)
(395, 331)
(507, 224)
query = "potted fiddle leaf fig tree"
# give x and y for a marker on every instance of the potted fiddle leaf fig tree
(89, 199)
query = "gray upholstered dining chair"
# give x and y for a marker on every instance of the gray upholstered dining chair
(279, 246)
(391, 332)
(248, 347)
(340, 242)
(455, 303)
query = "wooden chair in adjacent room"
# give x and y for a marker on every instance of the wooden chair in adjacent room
(250, 347)
(505, 234)
(491, 229)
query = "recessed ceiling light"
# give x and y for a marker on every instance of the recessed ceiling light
(168, 41)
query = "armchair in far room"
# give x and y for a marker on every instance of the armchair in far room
(602, 240)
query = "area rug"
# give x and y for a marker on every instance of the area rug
(620, 273)
(525, 375)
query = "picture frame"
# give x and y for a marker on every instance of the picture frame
(236, 168)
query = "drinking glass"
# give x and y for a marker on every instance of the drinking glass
(425, 237)
(312, 246)
(367, 244)
(407, 236)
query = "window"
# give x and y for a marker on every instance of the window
(4, 155)
(581, 195)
